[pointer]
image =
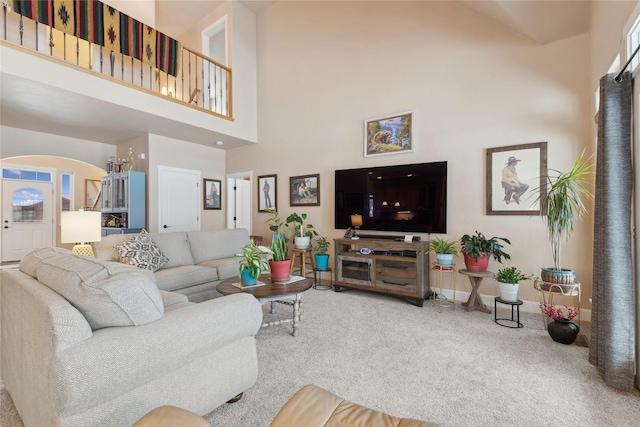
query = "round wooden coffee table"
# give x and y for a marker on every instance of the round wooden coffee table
(290, 294)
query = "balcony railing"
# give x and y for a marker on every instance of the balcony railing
(200, 81)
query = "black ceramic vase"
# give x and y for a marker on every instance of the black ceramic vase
(563, 331)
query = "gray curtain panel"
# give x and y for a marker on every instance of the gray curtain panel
(612, 317)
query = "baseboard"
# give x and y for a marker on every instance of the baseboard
(527, 306)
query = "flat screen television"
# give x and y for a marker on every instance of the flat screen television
(401, 198)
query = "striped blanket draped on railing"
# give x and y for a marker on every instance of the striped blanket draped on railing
(106, 26)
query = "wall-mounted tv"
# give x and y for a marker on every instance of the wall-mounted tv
(402, 198)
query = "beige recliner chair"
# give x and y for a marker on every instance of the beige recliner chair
(313, 406)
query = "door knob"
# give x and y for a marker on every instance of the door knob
(165, 226)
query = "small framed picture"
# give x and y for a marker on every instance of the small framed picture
(267, 192)
(516, 178)
(92, 190)
(304, 190)
(212, 193)
(389, 135)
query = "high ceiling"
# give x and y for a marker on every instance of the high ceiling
(539, 21)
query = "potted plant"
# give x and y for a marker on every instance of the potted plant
(444, 249)
(562, 329)
(562, 206)
(253, 263)
(509, 282)
(303, 233)
(280, 264)
(477, 249)
(320, 253)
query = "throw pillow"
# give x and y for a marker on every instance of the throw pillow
(142, 251)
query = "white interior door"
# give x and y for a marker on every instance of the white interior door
(178, 199)
(239, 211)
(27, 217)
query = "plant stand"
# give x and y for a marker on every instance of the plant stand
(304, 256)
(317, 279)
(475, 300)
(546, 295)
(503, 321)
(442, 301)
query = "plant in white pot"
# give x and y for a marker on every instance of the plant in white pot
(509, 280)
(303, 233)
(561, 205)
(253, 263)
(444, 249)
(320, 253)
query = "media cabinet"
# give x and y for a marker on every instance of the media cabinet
(392, 267)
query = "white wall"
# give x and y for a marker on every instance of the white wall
(323, 68)
(181, 154)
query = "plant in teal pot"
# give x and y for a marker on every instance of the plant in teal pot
(253, 263)
(320, 252)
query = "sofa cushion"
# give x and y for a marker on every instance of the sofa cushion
(216, 244)
(105, 250)
(31, 261)
(142, 251)
(170, 279)
(226, 267)
(106, 293)
(175, 246)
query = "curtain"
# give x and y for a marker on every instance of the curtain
(612, 314)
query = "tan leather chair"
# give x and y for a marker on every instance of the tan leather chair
(171, 416)
(313, 406)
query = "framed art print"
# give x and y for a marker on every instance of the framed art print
(212, 193)
(304, 190)
(267, 192)
(516, 178)
(389, 135)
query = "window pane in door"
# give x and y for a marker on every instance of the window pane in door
(27, 205)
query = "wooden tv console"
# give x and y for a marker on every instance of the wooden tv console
(392, 267)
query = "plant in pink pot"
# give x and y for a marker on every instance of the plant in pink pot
(478, 249)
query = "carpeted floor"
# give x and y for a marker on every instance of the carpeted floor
(451, 367)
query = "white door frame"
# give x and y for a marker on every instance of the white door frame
(212, 30)
(230, 202)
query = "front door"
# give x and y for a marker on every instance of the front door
(27, 217)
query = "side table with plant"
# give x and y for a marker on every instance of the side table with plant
(477, 250)
(320, 252)
(253, 263)
(509, 280)
(444, 249)
(562, 329)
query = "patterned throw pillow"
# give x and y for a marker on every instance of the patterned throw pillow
(141, 251)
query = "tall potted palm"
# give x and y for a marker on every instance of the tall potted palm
(561, 206)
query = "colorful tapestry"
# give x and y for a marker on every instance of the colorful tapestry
(38, 10)
(64, 16)
(149, 46)
(167, 53)
(131, 31)
(89, 21)
(111, 29)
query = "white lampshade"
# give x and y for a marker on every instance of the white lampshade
(81, 227)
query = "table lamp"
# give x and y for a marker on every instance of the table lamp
(81, 227)
(356, 221)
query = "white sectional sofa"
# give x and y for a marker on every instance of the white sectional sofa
(87, 342)
(198, 260)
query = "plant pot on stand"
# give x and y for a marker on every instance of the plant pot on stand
(508, 291)
(476, 266)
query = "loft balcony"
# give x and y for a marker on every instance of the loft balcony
(56, 83)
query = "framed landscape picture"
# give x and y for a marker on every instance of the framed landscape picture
(212, 193)
(267, 192)
(389, 135)
(516, 177)
(304, 190)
